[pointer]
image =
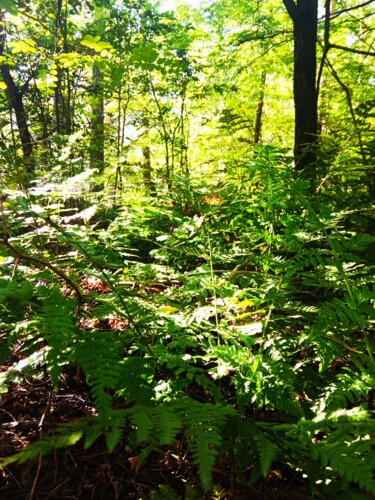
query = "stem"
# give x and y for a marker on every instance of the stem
(107, 280)
(344, 277)
(36, 260)
(351, 295)
(213, 284)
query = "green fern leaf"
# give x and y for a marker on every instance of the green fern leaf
(67, 437)
(99, 354)
(266, 452)
(203, 423)
(137, 374)
(115, 431)
(353, 461)
(141, 419)
(56, 324)
(167, 423)
(93, 430)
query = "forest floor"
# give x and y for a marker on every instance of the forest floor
(32, 409)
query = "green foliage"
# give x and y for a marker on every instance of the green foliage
(200, 287)
(242, 328)
(99, 355)
(66, 437)
(56, 325)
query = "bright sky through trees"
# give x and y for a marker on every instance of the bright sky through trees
(172, 4)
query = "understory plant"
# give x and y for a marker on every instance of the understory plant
(239, 321)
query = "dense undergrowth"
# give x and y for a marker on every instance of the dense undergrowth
(238, 319)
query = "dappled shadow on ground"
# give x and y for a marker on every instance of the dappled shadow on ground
(32, 410)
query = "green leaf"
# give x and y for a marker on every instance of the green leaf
(9, 7)
(23, 46)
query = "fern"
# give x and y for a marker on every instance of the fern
(352, 460)
(346, 388)
(28, 365)
(57, 326)
(15, 296)
(142, 421)
(67, 436)
(348, 450)
(266, 452)
(338, 449)
(167, 423)
(161, 423)
(99, 355)
(203, 424)
(136, 377)
(114, 428)
(297, 345)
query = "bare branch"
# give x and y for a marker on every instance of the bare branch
(344, 11)
(349, 101)
(326, 47)
(36, 260)
(354, 51)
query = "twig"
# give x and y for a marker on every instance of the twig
(30, 497)
(22, 256)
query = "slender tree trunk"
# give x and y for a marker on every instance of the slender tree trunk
(259, 112)
(184, 160)
(304, 15)
(97, 123)
(58, 92)
(147, 172)
(62, 102)
(15, 96)
(166, 136)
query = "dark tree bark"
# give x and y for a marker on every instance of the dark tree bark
(97, 122)
(304, 15)
(15, 96)
(259, 112)
(62, 102)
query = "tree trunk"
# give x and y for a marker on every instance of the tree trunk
(15, 96)
(147, 172)
(304, 15)
(62, 103)
(97, 123)
(259, 112)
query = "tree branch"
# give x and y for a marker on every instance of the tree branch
(354, 51)
(326, 46)
(349, 101)
(36, 260)
(291, 8)
(344, 11)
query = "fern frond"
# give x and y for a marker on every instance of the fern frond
(347, 388)
(161, 422)
(99, 355)
(266, 450)
(19, 293)
(142, 421)
(111, 426)
(14, 298)
(352, 459)
(137, 374)
(114, 428)
(167, 422)
(340, 446)
(57, 326)
(15, 372)
(67, 437)
(203, 429)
